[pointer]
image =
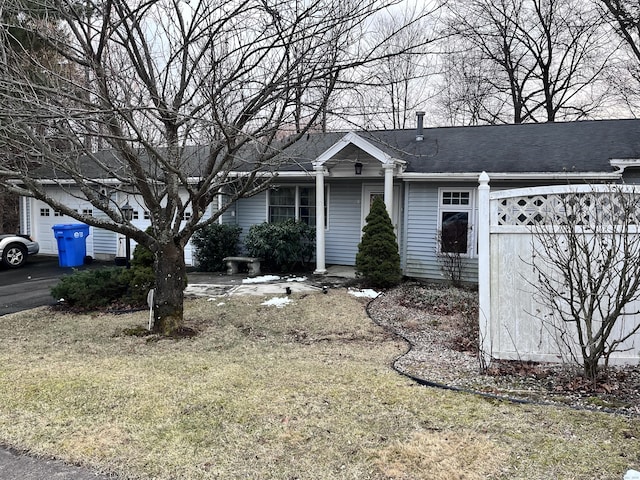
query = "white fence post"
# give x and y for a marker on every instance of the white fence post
(484, 268)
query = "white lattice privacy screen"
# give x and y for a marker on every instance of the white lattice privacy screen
(511, 317)
(616, 207)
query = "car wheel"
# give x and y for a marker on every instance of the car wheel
(14, 256)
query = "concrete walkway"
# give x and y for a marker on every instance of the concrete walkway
(16, 466)
(214, 284)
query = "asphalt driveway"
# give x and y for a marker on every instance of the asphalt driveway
(30, 286)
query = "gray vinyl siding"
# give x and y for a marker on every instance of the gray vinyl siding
(344, 226)
(250, 211)
(105, 242)
(420, 235)
(229, 216)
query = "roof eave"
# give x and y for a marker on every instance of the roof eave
(473, 176)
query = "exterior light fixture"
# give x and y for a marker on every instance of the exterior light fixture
(127, 212)
(358, 168)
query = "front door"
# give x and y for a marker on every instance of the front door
(369, 194)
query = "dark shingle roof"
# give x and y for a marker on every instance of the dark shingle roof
(585, 146)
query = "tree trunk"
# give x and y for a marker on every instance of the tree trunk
(590, 368)
(9, 217)
(171, 275)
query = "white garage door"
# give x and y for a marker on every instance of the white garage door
(141, 221)
(46, 217)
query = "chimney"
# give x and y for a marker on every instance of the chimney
(419, 134)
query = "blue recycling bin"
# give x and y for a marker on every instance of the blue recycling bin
(72, 246)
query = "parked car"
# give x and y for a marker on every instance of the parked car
(14, 249)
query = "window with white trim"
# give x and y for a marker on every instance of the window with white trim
(45, 212)
(294, 203)
(455, 221)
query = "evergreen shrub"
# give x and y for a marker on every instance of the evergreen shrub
(213, 243)
(102, 287)
(378, 258)
(283, 246)
(140, 278)
(91, 289)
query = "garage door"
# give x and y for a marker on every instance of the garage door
(46, 217)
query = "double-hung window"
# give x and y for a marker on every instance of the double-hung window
(293, 203)
(282, 204)
(456, 209)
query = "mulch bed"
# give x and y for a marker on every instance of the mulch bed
(438, 323)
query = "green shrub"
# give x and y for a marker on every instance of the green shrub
(138, 280)
(213, 243)
(283, 246)
(378, 259)
(103, 287)
(142, 257)
(90, 289)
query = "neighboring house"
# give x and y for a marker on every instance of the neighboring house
(428, 178)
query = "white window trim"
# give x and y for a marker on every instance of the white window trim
(471, 208)
(297, 201)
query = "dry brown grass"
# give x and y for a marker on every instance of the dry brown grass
(304, 391)
(455, 455)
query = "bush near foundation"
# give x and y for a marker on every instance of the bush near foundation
(109, 286)
(283, 246)
(378, 259)
(213, 243)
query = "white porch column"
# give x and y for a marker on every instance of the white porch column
(219, 206)
(320, 245)
(388, 187)
(484, 267)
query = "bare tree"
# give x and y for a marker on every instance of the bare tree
(548, 53)
(466, 93)
(400, 78)
(16, 36)
(386, 93)
(183, 94)
(624, 17)
(586, 267)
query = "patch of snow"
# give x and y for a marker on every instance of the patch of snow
(632, 475)
(297, 279)
(262, 279)
(367, 293)
(278, 302)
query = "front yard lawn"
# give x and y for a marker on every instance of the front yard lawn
(304, 391)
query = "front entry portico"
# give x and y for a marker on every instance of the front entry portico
(338, 162)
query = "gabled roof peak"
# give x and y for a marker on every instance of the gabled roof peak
(352, 138)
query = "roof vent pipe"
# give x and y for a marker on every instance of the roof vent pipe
(419, 134)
